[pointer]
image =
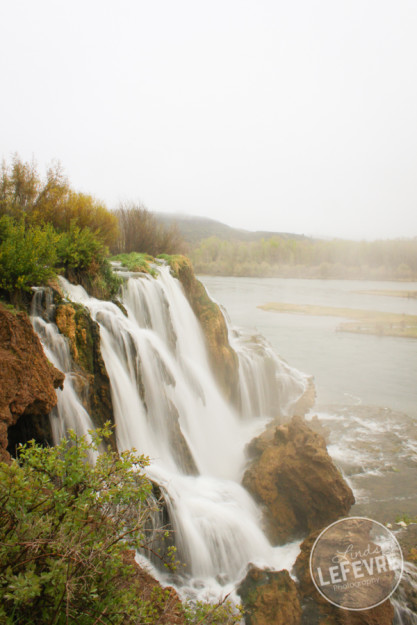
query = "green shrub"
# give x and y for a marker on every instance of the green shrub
(64, 525)
(136, 262)
(80, 249)
(27, 255)
(24, 194)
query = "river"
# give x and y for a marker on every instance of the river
(366, 385)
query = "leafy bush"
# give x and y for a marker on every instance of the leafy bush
(24, 194)
(65, 526)
(27, 255)
(80, 249)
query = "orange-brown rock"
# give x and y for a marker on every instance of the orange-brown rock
(316, 609)
(294, 479)
(223, 358)
(168, 609)
(269, 598)
(92, 382)
(27, 383)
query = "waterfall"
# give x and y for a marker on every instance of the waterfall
(168, 406)
(69, 413)
(268, 386)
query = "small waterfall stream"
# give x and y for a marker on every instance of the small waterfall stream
(168, 406)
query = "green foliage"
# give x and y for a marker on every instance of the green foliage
(136, 262)
(27, 255)
(406, 518)
(223, 613)
(66, 523)
(46, 227)
(64, 526)
(79, 249)
(24, 194)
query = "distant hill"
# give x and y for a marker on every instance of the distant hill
(195, 229)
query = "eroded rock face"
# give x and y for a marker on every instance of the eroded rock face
(92, 384)
(294, 479)
(317, 610)
(223, 358)
(269, 598)
(27, 384)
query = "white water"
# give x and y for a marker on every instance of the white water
(168, 406)
(69, 412)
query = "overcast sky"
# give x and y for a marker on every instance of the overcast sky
(288, 115)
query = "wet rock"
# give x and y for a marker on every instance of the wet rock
(223, 358)
(92, 382)
(294, 479)
(27, 384)
(269, 598)
(316, 610)
(405, 597)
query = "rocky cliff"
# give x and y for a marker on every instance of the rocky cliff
(294, 479)
(91, 379)
(27, 384)
(223, 358)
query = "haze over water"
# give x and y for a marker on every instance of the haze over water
(366, 385)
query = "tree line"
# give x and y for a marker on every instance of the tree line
(47, 228)
(394, 259)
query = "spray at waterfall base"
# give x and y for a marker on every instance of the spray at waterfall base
(356, 563)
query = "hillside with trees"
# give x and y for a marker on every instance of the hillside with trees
(394, 259)
(218, 249)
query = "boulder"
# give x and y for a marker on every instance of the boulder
(294, 479)
(27, 384)
(269, 598)
(318, 611)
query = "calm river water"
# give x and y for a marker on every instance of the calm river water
(366, 385)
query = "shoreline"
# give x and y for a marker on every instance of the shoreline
(365, 321)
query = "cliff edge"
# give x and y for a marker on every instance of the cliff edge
(27, 384)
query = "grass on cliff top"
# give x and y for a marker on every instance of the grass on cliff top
(175, 261)
(388, 293)
(135, 261)
(366, 321)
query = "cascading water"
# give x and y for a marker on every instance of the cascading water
(69, 412)
(168, 406)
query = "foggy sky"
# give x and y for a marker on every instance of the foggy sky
(295, 115)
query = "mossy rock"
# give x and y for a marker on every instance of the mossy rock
(269, 598)
(93, 384)
(223, 358)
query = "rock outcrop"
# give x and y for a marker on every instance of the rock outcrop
(294, 479)
(27, 384)
(316, 609)
(92, 383)
(269, 598)
(223, 358)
